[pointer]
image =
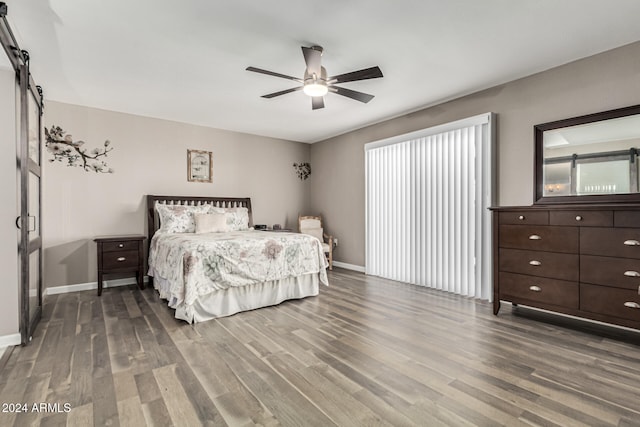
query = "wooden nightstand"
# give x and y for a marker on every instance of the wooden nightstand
(120, 254)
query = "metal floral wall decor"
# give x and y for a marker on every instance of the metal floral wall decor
(64, 148)
(303, 170)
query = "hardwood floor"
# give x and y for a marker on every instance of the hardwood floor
(367, 351)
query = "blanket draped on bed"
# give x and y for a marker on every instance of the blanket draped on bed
(198, 264)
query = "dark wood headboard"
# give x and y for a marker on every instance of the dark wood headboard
(221, 202)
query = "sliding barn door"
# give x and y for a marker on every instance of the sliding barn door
(427, 195)
(30, 241)
(28, 108)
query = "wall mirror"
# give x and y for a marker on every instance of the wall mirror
(589, 159)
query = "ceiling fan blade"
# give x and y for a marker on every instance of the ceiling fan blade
(365, 74)
(312, 59)
(358, 96)
(317, 102)
(282, 92)
(271, 73)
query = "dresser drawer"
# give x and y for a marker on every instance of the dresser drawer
(120, 260)
(548, 291)
(120, 246)
(540, 238)
(621, 303)
(542, 264)
(618, 272)
(629, 219)
(614, 242)
(582, 218)
(524, 217)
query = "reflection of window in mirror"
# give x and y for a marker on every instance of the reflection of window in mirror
(592, 158)
(557, 179)
(605, 177)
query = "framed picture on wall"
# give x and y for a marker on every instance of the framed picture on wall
(199, 166)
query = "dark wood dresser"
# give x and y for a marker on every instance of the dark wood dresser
(582, 260)
(120, 254)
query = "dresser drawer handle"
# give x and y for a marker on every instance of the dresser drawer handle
(120, 259)
(534, 262)
(535, 237)
(121, 245)
(631, 243)
(631, 273)
(535, 288)
(578, 218)
(521, 217)
(631, 304)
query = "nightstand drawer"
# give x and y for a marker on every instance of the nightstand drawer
(120, 259)
(120, 254)
(125, 245)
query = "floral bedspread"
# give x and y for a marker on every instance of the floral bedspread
(197, 264)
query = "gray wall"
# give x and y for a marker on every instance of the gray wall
(601, 82)
(150, 157)
(9, 287)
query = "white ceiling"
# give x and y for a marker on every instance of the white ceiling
(186, 60)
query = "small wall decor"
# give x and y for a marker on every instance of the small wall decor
(303, 170)
(63, 147)
(199, 166)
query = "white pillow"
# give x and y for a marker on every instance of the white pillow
(315, 232)
(211, 223)
(178, 218)
(309, 223)
(237, 219)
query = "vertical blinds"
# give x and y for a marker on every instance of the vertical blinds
(427, 195)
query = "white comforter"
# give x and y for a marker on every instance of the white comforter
(198, 264)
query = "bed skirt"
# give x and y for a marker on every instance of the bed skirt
(242, 298)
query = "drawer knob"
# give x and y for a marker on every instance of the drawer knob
(534, 262)
(631, 243)
(631, 273)
(120, 259)
(631, 304)
(578, 218)
(535, 237)
(521, 217)
(535, 288)
(121, 245)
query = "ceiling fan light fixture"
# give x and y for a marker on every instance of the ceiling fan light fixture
(315, 82)
(315, 89)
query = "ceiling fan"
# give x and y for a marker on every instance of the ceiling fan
(315, 82)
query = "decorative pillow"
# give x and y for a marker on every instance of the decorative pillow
(310, 223)
(237, 219)
(178, 218)
(315, 232)
(215, 209)
(211, 223)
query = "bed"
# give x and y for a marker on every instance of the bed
(206, 260)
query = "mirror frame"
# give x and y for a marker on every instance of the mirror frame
(539, 130)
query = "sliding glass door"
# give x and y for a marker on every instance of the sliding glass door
(427, 195)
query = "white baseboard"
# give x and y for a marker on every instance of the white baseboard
(347, 266)
(52, 290)
(7, 340)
